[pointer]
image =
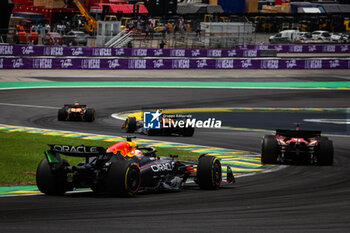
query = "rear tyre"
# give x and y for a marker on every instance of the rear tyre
(90, 115)
(269, 149)
(62, 114)
(49, 182)
(325, 152)
(209, 173)
(188, 132)
(123, 178)
(130, 125)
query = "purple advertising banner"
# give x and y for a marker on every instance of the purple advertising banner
(176, 63)
(300, 48)
(240, 51)
(28, 50)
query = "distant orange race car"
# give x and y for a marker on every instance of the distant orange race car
(76, 112)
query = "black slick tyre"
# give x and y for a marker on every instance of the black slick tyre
(130, 125)
(123, 178)
(209, 172)
(269, 149)
(90, 115)
(325, 152)
(51, 182)
(62, 114)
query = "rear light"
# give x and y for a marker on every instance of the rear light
(191, 169)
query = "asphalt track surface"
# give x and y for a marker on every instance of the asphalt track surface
(279, 119)
(294, 199)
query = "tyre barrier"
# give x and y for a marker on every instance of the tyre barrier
(174, 63)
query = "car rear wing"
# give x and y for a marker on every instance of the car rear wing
(298, 133)
(77, 151)
(75, 106)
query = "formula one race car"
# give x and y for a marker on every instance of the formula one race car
(302, 146)
(131, 125)
(124, 169)
(76, 112)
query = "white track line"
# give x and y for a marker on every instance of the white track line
(117, 116)
(28, 106)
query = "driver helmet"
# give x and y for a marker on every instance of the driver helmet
(138, 153)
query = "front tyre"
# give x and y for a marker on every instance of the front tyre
(51, 182)
(269, 149)
(209, 172)
(123, 178)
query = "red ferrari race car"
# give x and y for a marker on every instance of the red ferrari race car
(76, 112)
(125, 169)
(301, 146)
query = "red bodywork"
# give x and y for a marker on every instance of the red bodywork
(288, 140)
(125, 148)
(288, 137)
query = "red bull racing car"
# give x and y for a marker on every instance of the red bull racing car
(76, 112)
(124, 169)
(301, 146)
